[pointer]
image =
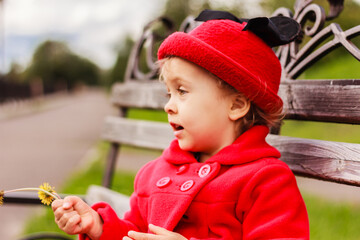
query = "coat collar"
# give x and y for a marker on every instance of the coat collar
(248, 147)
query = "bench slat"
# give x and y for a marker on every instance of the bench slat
(27, 198)
(325, 160)
(150, 94)
(316, 100)
(153, 135)
(22, 198)
(333, 161)
(322, 100)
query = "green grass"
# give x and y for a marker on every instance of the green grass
(329, 220)
(342, 67)
(146, 114)
(323, 131)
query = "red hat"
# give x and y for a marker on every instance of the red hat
(240, 58)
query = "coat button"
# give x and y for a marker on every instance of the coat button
(163, 182)
(187, 185)
(182, 169)
(204, 170)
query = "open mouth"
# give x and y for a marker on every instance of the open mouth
(176, 127)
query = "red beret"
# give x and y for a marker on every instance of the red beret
(238, 57)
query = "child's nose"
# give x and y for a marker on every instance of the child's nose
(170, 107)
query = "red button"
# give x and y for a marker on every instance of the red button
(182, 169)
(187, 185)
(204, 170)
(163, 182)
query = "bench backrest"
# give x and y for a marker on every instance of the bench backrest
(314, 100)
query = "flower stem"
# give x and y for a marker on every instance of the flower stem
(55, 196)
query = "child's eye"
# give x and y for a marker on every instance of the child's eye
(181, 91)
(168, 95)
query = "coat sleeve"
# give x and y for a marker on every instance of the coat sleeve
(115, 228)
(275, 208)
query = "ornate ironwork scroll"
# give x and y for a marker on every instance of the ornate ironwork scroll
(144, 50)
(295, 57)
(312, 17)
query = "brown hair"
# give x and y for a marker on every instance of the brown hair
(255, 116)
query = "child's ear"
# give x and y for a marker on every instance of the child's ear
(239, 108)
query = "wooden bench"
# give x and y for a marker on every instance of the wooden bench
(336, 101)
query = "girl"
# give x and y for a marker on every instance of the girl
(218, 179)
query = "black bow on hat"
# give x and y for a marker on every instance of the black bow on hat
(275, 31)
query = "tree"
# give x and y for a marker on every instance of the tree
(118, 70)
(15, 73)
(59, 68)
(179, 10)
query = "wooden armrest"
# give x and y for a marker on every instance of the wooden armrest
(119, 202)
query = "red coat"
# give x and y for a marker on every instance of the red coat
(243, 192)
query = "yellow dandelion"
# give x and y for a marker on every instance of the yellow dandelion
(46, 193)
(1, 197)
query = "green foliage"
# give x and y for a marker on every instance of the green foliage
(337, 67)
(117, 72)
(322, 131)
(330, 220)
(59, 68)
(146, 114)
(177, 11)
(15, 74)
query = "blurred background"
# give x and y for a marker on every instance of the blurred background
(58, 61)
(51, 45)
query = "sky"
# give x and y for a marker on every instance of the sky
(92, 28)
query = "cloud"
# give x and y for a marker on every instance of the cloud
(92, 28)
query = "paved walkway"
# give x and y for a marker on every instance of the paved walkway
(45, 140)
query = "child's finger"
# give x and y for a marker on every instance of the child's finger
(126, 238)
(139, 235)
(56, 204)
(164, 233)
(73, 224)
(70, 201)
(158, 230)
(60, 213)
(76, 203)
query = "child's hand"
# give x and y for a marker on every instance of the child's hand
(158, 234)
(74, 216)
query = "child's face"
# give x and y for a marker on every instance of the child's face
(198, 110)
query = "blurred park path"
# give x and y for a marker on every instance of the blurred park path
(43, 141)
